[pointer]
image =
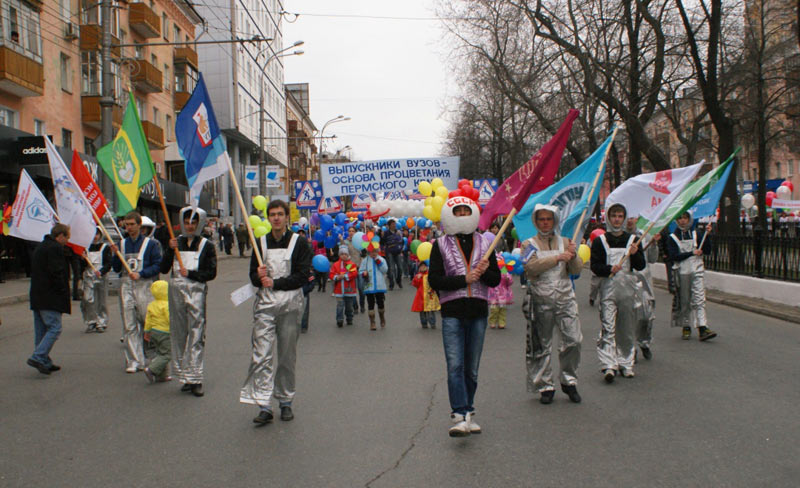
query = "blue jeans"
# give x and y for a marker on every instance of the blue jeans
(395, 263)
(47, 328)
(344, 307)
(361, 296)
(463, 344)
(306, 305)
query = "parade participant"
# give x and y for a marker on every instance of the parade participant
(553, 306)
(93, 299)
(143, 257)
(646, 299)
(156, 331)
(276, 315)
(373, 271)
(49, 296)
(355, 256)
(343, 273)
(689, 271)
(462, 278)
(242, 239)
(188, 292)
(616, 345)
(426, 302)
(392, 242)
(500, 297)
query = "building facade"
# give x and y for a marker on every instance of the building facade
(302, 157)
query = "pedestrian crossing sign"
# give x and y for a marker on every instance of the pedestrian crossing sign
(307, 194)
(486, 189)
(330, 205)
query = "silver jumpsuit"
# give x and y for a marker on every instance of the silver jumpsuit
(646, 302)
(553, 305)
(616, 344)
(691, 287)
(134, 297)
(187, 318)
(276, 315)
(93, 302)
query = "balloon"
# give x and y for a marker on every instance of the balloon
(358, 239)
(266, 225)
(330, 242)
(259, 202)
(488, 236)
(436, 183)
(341, 219)
(360, 217)
(314, 219)
(302, 221)
(437, 203)
(320, 264)
(454, 193)
(414, 246)
(788, 184)
(748, 200)
(325, 222)
(425, 188)
(770, 198)
(584, 252)
(428, 212)
(514, 233)
(516, 252)
(424, 251)
(783, 192)
(596, 233)
(255, 221)
(428, 224)
(319, 235)
(295, 227)
(410, 223)
(260, 230)
(441, 192)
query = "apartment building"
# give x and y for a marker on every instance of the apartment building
(302, 157)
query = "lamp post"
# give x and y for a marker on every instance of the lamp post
(338, 118)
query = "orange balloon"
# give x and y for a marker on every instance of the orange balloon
(410, 223)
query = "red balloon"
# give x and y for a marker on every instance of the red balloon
(770, 197)
(476, 194)
(596, 233)
(454, 193)
(463, 181)
(788, 184)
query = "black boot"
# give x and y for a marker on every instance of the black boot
(572, 393)
(547, 397)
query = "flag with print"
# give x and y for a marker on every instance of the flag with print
(200, 142)
(31, 216)
(86, 183)
(533, 176)
(707, 205)
(571, 195)
(73, 209)
(126, 160)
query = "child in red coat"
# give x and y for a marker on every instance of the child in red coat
(345, 288)
(426, 301)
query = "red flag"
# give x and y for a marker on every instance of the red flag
(534, 176)
(87, 184)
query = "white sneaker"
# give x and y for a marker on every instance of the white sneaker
(130, 370)
(474, 428)
(627, 373)
(461, 427)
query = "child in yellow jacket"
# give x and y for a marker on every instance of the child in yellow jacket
(156, 330)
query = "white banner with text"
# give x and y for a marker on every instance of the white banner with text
(389, 175)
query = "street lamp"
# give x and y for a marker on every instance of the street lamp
(338, 118)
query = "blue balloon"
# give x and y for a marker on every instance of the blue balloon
(361, 217)
(428, 223)
(321, 264)
(358, 240)
(295, 228)
(341, 219)
(319, 235)
(382, 221)
(331, 241)
(325, 222)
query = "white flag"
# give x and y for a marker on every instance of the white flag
(73, 209)
(649, 194)
(31, 216)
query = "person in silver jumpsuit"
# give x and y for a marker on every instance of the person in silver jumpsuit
(553, 306)
(276, 312)
(143, 257)
(93, 298)
(188, 291)
(683, 247)
(616, 346)
(646, 297)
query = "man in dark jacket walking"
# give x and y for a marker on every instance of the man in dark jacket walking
(392, 242)
(49, 295)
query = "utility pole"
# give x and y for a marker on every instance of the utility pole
(261, 181)
(107, 95)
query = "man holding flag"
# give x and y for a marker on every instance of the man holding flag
(96, 265)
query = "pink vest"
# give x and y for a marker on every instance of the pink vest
(455, 265)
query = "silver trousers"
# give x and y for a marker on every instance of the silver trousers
(595, 287)
(276, 329)
(93, 302)
(545, 317)
(691, 297)
(646, 312)
(134, 297)
(187, 327)
(616, 345)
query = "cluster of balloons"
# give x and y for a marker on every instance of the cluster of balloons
(510, 262)
(362, 240)
(436, 194)
(397, 208)
(260, 226)
(783, 192)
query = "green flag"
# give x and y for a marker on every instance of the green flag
(126, 160)
(688, 197)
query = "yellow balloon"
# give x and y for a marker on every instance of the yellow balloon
(259, 202)
(436, 183)
(428, 212)
(424, 251)
(585, 252)
(437, 203)
(266, 225)
(428, 201)
(442, 191)
(254, 221)
(425, 188)
(437, 214)
(260, 230)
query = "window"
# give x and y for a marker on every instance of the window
(90, 73)
(154, 60)
(90, 14)
(777, 170)
(140, 107)
(176, 33)
(155, 116)
(88, 146)
(170, 128)
(8, 117)
(165, 26)
(185, 78)
(139, 51)
(65, 10)
(66, 73)
(66, 138)
(166, 78)
(20, 28)
(38, 127)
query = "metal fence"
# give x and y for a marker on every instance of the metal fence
(771, 256)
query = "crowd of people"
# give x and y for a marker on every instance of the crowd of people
(164, 321)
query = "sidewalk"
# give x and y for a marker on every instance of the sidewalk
(16, 290)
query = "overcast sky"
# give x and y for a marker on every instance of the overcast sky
(388, 75)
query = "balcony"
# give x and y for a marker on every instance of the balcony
(92, 39)
(143, 20)
(148, 78)
(186, 55)
(154, 135)
(91, 112)
(181, 97)
(20, 75)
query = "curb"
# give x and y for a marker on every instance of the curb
(778, 311)
(13, 299)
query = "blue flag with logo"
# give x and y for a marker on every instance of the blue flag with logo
(570, 194)
(707, 205)
(199, 142)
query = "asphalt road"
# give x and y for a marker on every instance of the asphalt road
(372, 409)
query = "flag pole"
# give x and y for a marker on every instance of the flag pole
(89, 262)
(113, 222)
(594, 185)
(500, 233)
(166, 218)
(245, 213)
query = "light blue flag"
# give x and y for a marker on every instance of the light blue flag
(707, 205)
(570, 194)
